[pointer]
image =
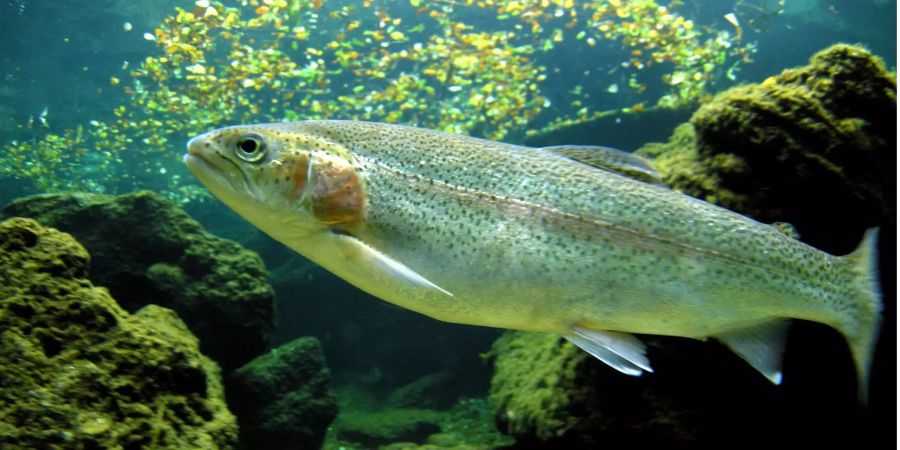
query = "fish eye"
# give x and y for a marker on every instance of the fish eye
(250, 147)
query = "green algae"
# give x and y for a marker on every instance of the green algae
(535, 382)
(374, 428)
(367, 423)
(547, 393)
(78, 371)
(283, 398)
(682, 167)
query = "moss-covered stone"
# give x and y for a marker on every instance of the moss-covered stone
(283, 399)
(467, 425)
(545, 391)
(682, 167)
(374, 428)
(78, 371)
(147, 250)
(813, 145)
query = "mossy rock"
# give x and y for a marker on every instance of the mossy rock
(814, 146)
(147, 250)
(548, 393)
(375, 428)
(283, 399)
(367, 423)
(78, 371)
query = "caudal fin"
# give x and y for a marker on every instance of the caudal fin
(865, 297)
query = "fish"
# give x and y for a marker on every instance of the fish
(585, 242)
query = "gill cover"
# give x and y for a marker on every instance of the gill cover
(328, 185)
(335, 190)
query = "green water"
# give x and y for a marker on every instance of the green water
(101, 97)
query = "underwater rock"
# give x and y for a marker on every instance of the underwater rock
(398, 425)
(78, 371)
(365, 421)
(145, 249)
(546, 392)
(814, 146)
(283, 399)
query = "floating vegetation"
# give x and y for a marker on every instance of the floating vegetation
(420, 63)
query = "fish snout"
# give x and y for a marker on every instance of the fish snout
(199, 150)
(196, 145)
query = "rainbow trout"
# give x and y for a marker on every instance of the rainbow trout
(572, 240)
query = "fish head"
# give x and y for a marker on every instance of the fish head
(280, 179)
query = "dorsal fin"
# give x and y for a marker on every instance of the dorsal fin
(612, 160)
(786, 228)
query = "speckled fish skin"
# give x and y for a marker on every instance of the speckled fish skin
(522, 238)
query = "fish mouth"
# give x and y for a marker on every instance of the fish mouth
(203, 170)
(216, 178)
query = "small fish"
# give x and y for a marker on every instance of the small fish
(580, 241)
(42, 117)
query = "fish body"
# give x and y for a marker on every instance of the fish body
(479, 232)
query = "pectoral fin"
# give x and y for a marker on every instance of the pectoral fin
(622, 351)
(760, 345)
(369, 258)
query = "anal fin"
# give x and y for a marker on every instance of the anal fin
(761, 345)
(621, 351)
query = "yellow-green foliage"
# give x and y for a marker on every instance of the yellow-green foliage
(419, 63)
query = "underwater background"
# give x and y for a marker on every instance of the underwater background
(213, 335)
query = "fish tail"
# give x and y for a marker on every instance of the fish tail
(865, 304)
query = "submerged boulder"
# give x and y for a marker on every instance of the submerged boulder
(372, 429)
(147, 250)
(814, 146)
(283, 399)
(545, 391)
(78, 371)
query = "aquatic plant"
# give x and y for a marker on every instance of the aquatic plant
(419, 63)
